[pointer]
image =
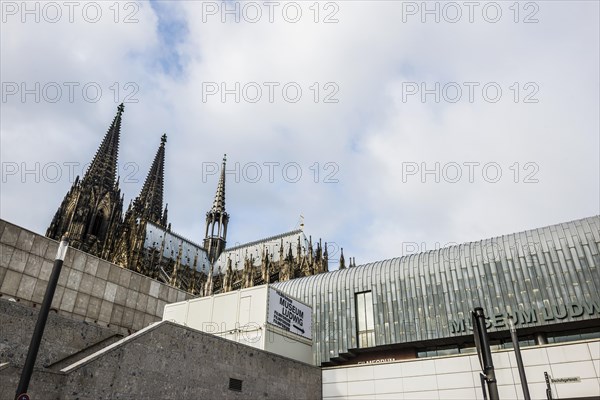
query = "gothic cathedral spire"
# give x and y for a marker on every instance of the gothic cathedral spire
(91, 210)
(103, 169)
(216, 221)
(147, 207)
(149, 204)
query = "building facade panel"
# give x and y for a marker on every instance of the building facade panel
(457, 377)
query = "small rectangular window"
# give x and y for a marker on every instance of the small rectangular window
(235, 384)
(365, 325)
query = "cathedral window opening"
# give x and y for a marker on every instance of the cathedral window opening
(98, 223)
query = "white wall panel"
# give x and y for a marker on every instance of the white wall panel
(335, 375)
(501, 360)
(504, 375)
(459, 394)
(424, 395)
(419, 383)
(200, 314)
(453, 364)
(393, 385)
(533, 357)
(175, 312)
(225, 310)
(331, 390)
(582, 369)
(360, 373)
(388, 396)
(581, 389)
(536, 390)
(454, 381)
(361, 388)
(392, 370)
(505, 392)
(576, 352)
(594, 348)
(424, 367)
(534, 374)
(457, 377)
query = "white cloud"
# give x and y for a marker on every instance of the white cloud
(369, 55)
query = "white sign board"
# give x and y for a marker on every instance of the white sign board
(570, 379)
(289, 314)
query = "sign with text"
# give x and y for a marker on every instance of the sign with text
(570, 379)
(289, 314)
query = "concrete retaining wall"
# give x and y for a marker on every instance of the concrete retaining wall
(89, 288)
(62, 336)
(170, 361)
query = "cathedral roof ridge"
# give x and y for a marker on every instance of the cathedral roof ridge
(267, 239)
(178, 236)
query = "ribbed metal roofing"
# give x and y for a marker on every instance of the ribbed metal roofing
(157, 237)
(270, 244)
(417, 296)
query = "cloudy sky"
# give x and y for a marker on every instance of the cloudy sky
(390, 126)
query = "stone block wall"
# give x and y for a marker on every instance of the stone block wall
(89, 289)
(62, 337)
(170, 361)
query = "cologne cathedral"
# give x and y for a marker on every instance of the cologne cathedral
(141, 239)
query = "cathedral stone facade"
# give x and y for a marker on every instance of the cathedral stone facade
(141, 238)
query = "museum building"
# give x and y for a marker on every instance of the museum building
(381, 329)
(548, 279)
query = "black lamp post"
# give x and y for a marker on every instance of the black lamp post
(483, 351)
(36, 339)
(517, 348)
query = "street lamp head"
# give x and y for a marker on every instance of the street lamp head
(62, 247)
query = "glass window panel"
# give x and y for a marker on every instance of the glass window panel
(371, 338)
(590, 335)
(468, 350)
(447, 351)
(369, 310)
(360, 311)
(362, 340)
(364, 319)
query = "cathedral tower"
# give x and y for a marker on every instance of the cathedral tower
(91, 210)
(147, 207)
(216, 221)
(149, 204)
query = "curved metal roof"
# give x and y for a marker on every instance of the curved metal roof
(416, 297)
